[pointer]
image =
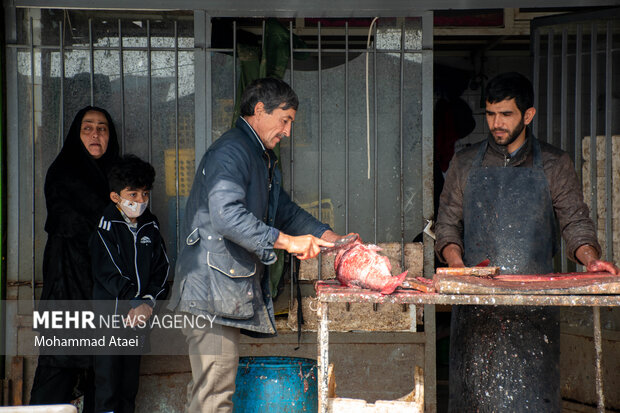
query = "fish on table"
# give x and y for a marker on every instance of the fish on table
(361, 266)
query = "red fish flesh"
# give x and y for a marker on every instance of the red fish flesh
(361, 266)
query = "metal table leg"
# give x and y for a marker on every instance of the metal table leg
(598, 354)
(323, 356)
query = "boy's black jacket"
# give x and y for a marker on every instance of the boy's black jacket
(128, 266)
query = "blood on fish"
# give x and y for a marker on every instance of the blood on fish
(361, 266)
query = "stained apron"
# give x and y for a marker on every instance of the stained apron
(506, 358)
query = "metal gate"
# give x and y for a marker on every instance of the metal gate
(578, 103)
(360, 156)
(357, 157)
(577, 84)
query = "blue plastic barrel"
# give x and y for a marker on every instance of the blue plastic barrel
(276, 384)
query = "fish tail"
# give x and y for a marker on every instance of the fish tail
(393, 283)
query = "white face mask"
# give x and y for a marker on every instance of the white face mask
(133, 209)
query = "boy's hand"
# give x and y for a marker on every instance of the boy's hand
(139, 315)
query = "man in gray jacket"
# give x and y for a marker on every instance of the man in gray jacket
(236, 214)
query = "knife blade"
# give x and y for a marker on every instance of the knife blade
(341, 243)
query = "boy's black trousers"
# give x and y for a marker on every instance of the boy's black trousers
(116, 383)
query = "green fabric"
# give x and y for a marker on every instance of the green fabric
(271, 61)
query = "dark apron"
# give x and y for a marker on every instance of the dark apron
(506, 358)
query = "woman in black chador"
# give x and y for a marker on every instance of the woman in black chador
(76, 192)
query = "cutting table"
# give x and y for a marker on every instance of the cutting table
(333, 292)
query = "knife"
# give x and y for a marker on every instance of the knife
(341, 243)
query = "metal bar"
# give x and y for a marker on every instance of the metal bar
(598, 351)
(92, 61)
(401, 105)
(564, 126)
(608, 145)
(346, 127)
(578, 88)
(33, 146)
(376, 135)
(148, 92)
(593, 110)
(536, 80)
(62, 83)
(208, 79)
(208, 49)
(427, 165)
(114, 48)
(550, 77)
(430, 376)
(202, 67)
(13, 179)
(234, 65)
(323, 355)
(564, 93)
(320, 138)
(292, 143)
(122, 83)
(176, 134)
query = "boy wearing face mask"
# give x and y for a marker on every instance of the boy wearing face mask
(129, 266)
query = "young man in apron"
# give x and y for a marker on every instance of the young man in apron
(500, 201)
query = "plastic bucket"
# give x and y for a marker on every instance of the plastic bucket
(276, 384)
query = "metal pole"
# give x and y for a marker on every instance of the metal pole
(536, 80)
(550, 77)
(563, 126)
(92, 62)
(122, 83)
(206, 84)
(402, 146)
(148, 93)
(593, 110)
(32, 143)
(598, 351)
(320, 137)
(608, 145)
(376, 134)
(202, 67)
(564, 93)
(346, 127)
(176, 134)
(323, 355)
(234, 65)
(292, 83)
(578, 114)
(62, 83)
(292, 143)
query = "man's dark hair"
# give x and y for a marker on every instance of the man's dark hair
(130, 172)
(508, 86)
(274, 93)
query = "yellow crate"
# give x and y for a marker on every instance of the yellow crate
(186, 171)
(327, 210)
